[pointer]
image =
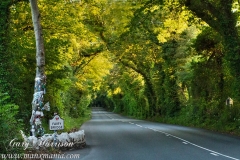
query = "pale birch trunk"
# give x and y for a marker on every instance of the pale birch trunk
(40, 79)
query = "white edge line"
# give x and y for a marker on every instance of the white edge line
(199, 146)
(184, 141)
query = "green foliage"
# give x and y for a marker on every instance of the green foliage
(75, 123)
(209, 65)
(70, 123)
(185, 79)
(5, 61)
(172, 60)
(65, 61)
(77, 103)
(9, 125)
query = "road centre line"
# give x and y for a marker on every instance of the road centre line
(212, 152)
(184, 141)
(187, 142)
(138, 125)
(152, 129)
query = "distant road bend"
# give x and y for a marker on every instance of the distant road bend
(111, 136)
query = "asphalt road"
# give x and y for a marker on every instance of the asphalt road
(110, 136)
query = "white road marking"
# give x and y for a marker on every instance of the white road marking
(214, 154)
(187, 142)
(219, 154)
(153, 129)
(138, 125)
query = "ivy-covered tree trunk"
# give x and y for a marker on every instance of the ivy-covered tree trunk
(171, 102)
(149, 90)
(219, 16)
(232, 56)
(40, 79)
(150, 93)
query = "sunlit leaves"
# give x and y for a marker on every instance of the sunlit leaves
(174, 21)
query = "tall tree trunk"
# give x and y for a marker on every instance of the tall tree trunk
(232, 58)
(150, 92)
(40, 79)
(219, 16)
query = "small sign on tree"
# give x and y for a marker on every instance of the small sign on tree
(56, 123)
(229, 102)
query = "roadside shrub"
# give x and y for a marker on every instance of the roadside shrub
(9, 125)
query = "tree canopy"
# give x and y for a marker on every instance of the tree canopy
(171, 60)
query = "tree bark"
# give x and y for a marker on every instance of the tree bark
(40, 79)
(219, 16)
(40, 54)
(150, 93)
